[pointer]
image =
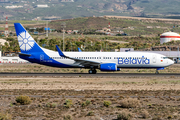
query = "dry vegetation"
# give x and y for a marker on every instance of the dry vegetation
(67, 104)
(88, 98)
(36, 68)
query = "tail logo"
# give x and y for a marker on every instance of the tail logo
(26, 42)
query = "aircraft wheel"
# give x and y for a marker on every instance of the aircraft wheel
(94, 71)
(90, 72)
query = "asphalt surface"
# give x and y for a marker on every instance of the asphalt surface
(88, 75)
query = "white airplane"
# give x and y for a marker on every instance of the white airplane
(105, 61)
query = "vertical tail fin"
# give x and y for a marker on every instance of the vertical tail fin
(26, 43)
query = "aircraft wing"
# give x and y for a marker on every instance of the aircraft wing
(78, 61)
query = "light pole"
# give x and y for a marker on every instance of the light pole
(63, 25)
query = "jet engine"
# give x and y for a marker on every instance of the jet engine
(108, 67)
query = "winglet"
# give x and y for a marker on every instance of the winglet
(60, 52)
(79, 49)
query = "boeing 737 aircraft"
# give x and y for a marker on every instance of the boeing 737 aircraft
(105, 61)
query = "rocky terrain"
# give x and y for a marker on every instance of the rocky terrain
(59, 9)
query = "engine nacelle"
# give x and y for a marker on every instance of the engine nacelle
(108, 67)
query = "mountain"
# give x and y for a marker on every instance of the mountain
(64, 9)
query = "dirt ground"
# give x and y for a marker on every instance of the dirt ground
(80, 83)
(129, 97)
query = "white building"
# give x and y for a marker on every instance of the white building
(168, 37)
(42, 6)
(10, 59)
(2, 42)
(13, 6)
(67, 0)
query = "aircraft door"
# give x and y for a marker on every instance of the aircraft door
(154, 58)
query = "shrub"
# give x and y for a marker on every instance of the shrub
(130, 103)
(83, 104)
(91, 113)
(5, 116)
(67, 117)
(88, 102)
(124, 115)
(23, 100)
(107, 103)
(170, 117)
(68, 103)
(51, 105)
(157, 118)
(145, 114)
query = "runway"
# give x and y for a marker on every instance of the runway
(89, 75)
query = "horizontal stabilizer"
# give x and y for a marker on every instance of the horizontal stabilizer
(24, 54)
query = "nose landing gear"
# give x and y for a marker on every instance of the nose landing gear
(157, 72)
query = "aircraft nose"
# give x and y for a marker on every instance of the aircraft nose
(171, 62)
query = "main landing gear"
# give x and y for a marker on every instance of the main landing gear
(92, 71)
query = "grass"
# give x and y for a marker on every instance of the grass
(35, 68)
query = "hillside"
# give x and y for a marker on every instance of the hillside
(56, 9)
(132, 26)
